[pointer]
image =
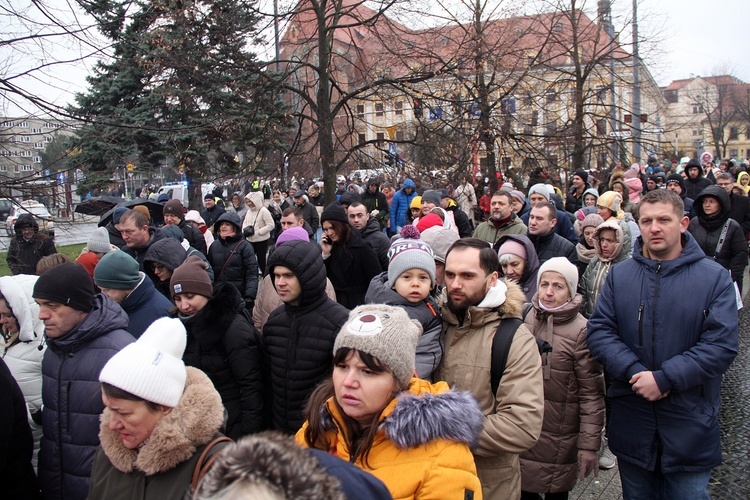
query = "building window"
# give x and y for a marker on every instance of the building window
(37, 159)
(362, 139)
(380, 138)
(399, 135)
(24, 124)
(379, 109)
(733, 153)
(557, 28)
(39, 145)
(8, 124)
(734, 133)
(551, 96)
(399, 106)
(3, 168)
(671, 96)
(697, 109)
(601, 126)
(25, 168)
(36, 131)
(361, 111)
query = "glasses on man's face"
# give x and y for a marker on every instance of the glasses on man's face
(158, 267)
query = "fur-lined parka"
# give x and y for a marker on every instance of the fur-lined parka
(573, 399)
(222, 342)
(513, 415)
(162, 468)
(598, 268)
(422, 447)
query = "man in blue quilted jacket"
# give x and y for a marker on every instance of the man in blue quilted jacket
(665, 327)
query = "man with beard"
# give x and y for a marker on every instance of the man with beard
(477, 303)
(695, 182)
(502, 219)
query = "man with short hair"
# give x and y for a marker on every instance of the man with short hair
(212, 212)
(548, 244)
(579, 184)
(174, 215)
(370, 231)
(118, 277)
(739, 205)
(665, 327)
(502, 219)
(540, 193)
(298, 336)
(138, 235)
(309, 213)
(477, 303)
(292, 217)
(83, 330)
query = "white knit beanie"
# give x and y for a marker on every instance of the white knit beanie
(385, 332)
(564, 268)
(151, 367)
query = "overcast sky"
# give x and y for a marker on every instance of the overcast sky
(689, 37)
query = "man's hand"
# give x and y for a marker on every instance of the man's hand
(588, 462)
(644, 384)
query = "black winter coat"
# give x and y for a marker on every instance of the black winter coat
(23, 256)
(298, 340)
(350, 267)
(223, 343)
(373, 236)
(740, 211)
(462, 222)
(140, 253)
(169, 253)
(194, 237)
(553, 245)
(72, 398)
(241, 268)
(707, 232)
(115, 237)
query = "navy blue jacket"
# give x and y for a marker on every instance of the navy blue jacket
(679, 320)
(143, 306)
(72, 398)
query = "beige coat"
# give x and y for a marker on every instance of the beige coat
(573, 400)
(513, 416)
(259, 217)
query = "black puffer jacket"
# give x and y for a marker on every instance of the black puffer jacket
(194, 237)
(707, 232)
(298, 340)
(241, 268)
(223, 343)
(373, 236)
(24, 255)
(553, 245)
(350, 268)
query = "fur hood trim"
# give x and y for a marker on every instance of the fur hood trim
(192, 423)
(418, 419)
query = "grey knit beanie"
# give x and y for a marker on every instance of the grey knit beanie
(539, 189)
(385, 332)
(99, 241)
(405, 254)
(432, 196)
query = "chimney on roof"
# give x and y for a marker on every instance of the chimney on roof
(604, 8)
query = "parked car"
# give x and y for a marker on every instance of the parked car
(6, 205)
(40, 213)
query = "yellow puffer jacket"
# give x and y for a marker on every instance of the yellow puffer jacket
(422, 449)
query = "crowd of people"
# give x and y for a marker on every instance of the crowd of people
(399, 342)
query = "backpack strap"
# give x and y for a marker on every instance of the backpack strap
(202, 466)
(501, 347)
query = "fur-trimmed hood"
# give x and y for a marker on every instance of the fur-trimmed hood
(192, 423)
(505, 299)
(423, 413)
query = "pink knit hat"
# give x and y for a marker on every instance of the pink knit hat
(512, 247)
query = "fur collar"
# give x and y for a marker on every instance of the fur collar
(424, 413)
(192, 423)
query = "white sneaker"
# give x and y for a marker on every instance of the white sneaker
(607, 460)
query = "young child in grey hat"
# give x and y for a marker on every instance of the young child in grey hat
(407, 284)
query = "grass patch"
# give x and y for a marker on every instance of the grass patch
(72, 251)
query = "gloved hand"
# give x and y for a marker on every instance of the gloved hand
(375, 213)
(248, 231)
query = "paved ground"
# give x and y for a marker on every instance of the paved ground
(731, 480)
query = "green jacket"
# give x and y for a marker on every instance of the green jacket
(488, 232)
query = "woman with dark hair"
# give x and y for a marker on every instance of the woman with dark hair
(350, 262)
(372, 411)
(159, 417)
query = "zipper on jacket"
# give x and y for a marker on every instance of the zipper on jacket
(59, 442)
(653, 317)
(67, 406)
(640, 324)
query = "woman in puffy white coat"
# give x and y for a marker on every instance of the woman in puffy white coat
(23, 346)
(257, 226)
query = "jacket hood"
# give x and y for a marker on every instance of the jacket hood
(718, 193)
(741, 176)
(426, 412)
(25, 220)
(304, 259)
(192, 423)
(691, 252)
(613, 224)
(625, 190)
(504, 300)
(17, 291)
(212, 322)
(409, 183)
(228, 217)
(532, 260)
(105, 317)
(257, 198)
(349, 197)
(168, 252)
(173, 232)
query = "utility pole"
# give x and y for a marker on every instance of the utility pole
(282, 157)
(636, 89)
(605, 15)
